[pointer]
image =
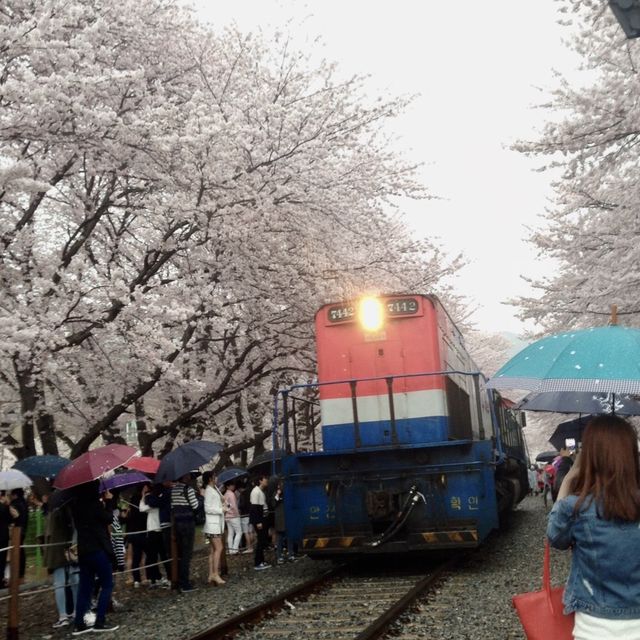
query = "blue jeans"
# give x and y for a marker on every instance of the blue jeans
(280, 539)
(95, 565)
(63, 577)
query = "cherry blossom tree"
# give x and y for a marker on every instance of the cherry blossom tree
(175, 204)
(590, 145)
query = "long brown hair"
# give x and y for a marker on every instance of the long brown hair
(609, 471)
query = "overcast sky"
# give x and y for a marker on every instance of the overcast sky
(480, 69)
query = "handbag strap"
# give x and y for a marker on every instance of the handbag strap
(546, 568)
(546, 576)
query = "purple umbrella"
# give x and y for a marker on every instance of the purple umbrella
(120, 480)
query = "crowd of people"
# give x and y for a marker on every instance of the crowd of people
(92, 532)
(546, 478)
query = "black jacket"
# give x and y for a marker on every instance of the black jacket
(563, 468)
(92, 519)
(20, 505)
(5, 521)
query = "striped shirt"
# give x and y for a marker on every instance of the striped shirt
(183, 501)
(117, 541)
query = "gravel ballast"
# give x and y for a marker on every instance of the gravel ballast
(473, 602)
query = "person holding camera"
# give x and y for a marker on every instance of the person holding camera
(597, 516)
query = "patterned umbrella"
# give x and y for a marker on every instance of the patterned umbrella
(46, 466)
(93, 465)
(13, 479)
(597, 360)
(581, 402)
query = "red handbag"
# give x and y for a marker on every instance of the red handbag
(540, 612)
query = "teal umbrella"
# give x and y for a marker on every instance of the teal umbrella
(601, 359)
(45, 466)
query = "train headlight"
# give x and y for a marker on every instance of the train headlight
(371, 314)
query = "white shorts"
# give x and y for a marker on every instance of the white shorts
(247, 527)
(591, 628)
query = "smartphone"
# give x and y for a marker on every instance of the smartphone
(570, 443)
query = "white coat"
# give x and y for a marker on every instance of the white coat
(214, 513)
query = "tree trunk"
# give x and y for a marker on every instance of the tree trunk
(44, 420)
(47, 432)
(144, 439)
(26, 387)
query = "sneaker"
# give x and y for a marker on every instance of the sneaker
(116, 604)
(80, 629)
(136, 585)
(189, 589)
(164, 583)
(280, 561)
(153, 585)
(293, 558)
(104, 627)
(63, 622)
(262, 566)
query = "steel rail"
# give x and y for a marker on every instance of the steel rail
(228, 628)
(381, 624)
(270, 608)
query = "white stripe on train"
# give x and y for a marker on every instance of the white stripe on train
(413, 404)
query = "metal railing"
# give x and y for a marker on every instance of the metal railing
(285, 395)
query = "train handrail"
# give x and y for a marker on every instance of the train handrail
(352, 382)
(404, 375)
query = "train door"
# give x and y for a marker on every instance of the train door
(374, 360)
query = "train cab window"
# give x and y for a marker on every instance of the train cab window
(459, 408)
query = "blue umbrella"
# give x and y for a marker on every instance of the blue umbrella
(46, 466)
(597, 360)
(226, 475)
(581, 402)
(186, 458)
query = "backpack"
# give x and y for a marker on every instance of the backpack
(244, 502)
(199, 516)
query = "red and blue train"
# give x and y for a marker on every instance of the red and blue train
(413, 453)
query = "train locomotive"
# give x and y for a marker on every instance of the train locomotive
(412, 451)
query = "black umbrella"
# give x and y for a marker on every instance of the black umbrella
(266, 457)
(547, 456)
(581, 402)
(571, 429)
(186, 458)
(60, 498)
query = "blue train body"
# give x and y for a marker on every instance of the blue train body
(429, 458)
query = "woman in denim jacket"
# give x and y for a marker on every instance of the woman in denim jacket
(598, 515)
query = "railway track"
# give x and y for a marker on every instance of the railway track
(340, 605)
